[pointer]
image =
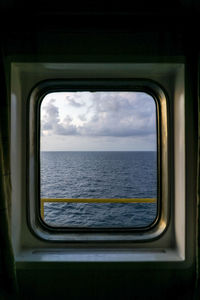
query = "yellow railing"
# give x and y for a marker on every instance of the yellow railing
(118, 200)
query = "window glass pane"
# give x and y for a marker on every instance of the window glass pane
(98, 159)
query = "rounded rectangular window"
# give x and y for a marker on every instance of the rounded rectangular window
(98, 159)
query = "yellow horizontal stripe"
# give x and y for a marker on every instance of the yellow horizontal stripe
(86, 200)
(111, 200)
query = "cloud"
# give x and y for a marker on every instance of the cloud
(82, 117)
(75, 100)
(121, 115)
(51, 116)
(74, 103)
(108, 114)
(51, 123)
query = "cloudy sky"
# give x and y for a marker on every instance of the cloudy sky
(98, 121)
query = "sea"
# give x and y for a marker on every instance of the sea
(99, 175)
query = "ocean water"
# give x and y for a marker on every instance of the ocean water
(99, 175)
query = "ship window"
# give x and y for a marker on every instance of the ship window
(98, 158)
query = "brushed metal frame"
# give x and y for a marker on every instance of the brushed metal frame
(63, 234)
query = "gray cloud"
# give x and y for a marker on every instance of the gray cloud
(121, 115)
(51, 121)
(75, 100)
(51, 116)
(113, 114)
(82, 117)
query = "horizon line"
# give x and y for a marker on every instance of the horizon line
(98, 150)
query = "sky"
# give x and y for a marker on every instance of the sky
(98, 121)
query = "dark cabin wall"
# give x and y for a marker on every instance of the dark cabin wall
(150, 28)
(105, 281)
(113, 33)
(146, 31)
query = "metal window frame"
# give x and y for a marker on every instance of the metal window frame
(62, 234)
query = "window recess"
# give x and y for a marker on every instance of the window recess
(97, 147)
